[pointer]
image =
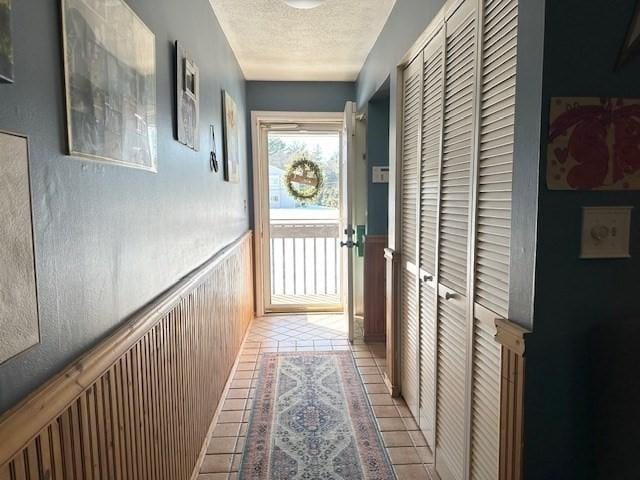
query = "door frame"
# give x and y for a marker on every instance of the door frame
(259, 121)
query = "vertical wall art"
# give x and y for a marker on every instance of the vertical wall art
(6, 42)
(231, 139)
(19, 327)
(594, 144)
(110, 73)
(188, 98)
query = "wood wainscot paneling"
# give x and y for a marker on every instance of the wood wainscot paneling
(139, 405)
(375, 313)
(512, 339)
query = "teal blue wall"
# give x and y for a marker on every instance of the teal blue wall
(377, 155)
(582, 398)
(299, 96)
(109, 239)
(407, 21)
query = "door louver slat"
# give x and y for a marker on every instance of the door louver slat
(410, 186)
(455, 190)
(409, 335)
(493, 226)
(450, 426)
(430, 180)
(410, 302)
(485, 405)
(456, 157)
(497, 101)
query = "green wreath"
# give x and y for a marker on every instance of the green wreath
(303, 179)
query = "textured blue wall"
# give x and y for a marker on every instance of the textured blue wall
(299, 96)
(109, 239)
(407, 21)
(581, 306)
(377, 155)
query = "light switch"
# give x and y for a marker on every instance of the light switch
(605, 232)
(380, 175)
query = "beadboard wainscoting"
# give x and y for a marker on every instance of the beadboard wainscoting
(375, 269)
(139, 405)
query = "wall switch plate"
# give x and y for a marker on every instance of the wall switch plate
(380, 175)
(605, 232)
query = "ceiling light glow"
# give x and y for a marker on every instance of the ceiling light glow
(304, 4)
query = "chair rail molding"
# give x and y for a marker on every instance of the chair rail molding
(139, 404)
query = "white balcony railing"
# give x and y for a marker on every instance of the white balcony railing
(305, 262)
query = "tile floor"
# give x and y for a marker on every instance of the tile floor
(408, 451)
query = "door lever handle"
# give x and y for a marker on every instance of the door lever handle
(349, 244)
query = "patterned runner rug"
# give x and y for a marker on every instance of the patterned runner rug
(310, 420)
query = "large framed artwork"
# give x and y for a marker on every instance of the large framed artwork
(231, 139)
(188, 97)
(110, 77)
(594, 144)
(19, 325)
(6, 42)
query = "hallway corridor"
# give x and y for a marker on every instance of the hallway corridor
(404, 444)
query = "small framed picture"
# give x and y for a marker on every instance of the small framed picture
(231, 139)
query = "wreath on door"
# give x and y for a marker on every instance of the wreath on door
(303, 179)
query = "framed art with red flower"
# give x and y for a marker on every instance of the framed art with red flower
(594, 144)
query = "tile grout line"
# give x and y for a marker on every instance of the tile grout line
(284, 334)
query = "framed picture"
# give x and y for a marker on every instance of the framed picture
(593, 144)
(231, 139)
(6, 42)
(188, 97)
(19, 324)
(110, 80)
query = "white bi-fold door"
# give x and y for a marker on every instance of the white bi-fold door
(458, 109)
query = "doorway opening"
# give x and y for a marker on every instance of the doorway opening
(304, 233)
(300, 264)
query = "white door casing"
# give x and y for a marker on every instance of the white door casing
(348, 229)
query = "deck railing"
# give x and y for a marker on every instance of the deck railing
(305, 259)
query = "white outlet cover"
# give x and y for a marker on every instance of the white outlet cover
(605, 232)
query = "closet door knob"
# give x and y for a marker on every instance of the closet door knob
(449, 296)
(427, 278)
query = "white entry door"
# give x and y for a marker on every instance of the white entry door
(346, 204)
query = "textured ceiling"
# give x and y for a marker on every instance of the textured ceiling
(274, 41)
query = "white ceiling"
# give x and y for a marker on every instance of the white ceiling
(274, 41)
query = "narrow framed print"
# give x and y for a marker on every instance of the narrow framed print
(19, 324)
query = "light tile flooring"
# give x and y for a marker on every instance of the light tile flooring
(408, 451)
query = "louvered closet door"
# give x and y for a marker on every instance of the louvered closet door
(409, 328)
(493, 227)
(453, 243)
(432, 108)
